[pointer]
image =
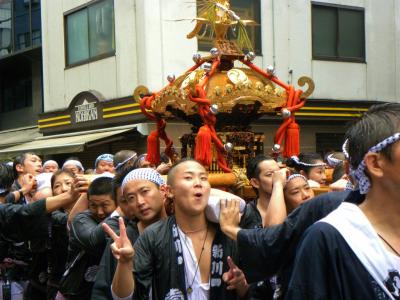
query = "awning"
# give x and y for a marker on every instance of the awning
(14, 137)
(67, 143)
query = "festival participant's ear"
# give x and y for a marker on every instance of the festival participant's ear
(255, 183)
(303, 173)
(374, 163)
(19, 168)
(164, 190)
(169, 191)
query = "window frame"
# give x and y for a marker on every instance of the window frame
(90, 59)
(337, 7)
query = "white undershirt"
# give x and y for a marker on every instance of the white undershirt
(200, 291)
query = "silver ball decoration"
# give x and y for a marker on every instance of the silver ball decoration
(276, 148)
(228, 147)
(196, 58)
(207, 67)
(214, 109)
(271, 70)
(285, 113)
(171, 78)
(214, 52)
(250, 56)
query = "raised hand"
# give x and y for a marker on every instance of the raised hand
(80, 185)
(235, 279)
(229, 217)
(28, 183)
(121, 248)
(280, 176)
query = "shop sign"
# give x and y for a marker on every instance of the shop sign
(85, 112)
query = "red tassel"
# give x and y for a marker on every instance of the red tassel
(292, 140)
(153, 148)
(203, 150)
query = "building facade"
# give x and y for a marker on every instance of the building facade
(21, 98)
(95, 53)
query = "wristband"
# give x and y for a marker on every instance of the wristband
(21, 194)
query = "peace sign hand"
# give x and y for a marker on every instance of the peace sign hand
(122, 247)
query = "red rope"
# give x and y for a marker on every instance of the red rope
(208, 118)
(289, 128)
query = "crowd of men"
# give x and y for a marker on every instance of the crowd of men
(131, 230)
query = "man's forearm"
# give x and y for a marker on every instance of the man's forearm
(56, 202)
(231, 231)
(276, 212)
(80, 206)
(123, 282)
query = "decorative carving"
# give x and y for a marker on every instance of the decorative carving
(311, 86)
(140, 91)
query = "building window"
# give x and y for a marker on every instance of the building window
(16, 88)
(20, 25)
(90, 33)
(329, 142)
(338, 33)
(246, 9)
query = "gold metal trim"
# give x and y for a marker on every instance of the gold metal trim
(326, 114)
(334, 108)
(55, 124)
(54, 119)
(120, 107)
(124, 113)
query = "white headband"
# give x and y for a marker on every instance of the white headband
(49, 162)
(74, 162)
(344, 148)
(125, 161)
(296, 175)
(359, 174)
(143, 174)
(297, 160)
(332, 161)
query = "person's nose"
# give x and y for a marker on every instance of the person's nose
(140, 200)
(305, 195)
(100, 211)
(66, 187)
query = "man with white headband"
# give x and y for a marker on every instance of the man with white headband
(144, 193)
(50, 166)
(310, 165)
(104, 163)
(184, 256)
(74, 166)
(124, 160)
(354, 252)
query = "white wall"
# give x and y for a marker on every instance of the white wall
(113, 77)
(151, 43)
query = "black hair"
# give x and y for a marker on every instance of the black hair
(6, 176)
(338, 172)
(101, 186)
(19, 160)
(378, 123)
(58, 173)
(117, 181)
(164, 158)
(122, 155)
(171, 172)
(139, 159)
(253, 166)
(308, 158)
